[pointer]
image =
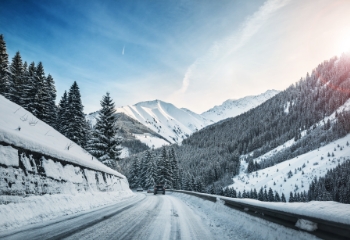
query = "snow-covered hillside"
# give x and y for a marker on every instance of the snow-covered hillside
(232, 108)
(173, 123)
(304, 168)
(297, 173)
(22, 129)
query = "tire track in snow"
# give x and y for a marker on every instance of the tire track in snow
(126, 225)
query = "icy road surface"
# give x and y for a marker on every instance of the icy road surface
(148, 216)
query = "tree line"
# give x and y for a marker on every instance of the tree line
(29, 87)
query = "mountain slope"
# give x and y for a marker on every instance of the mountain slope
(172, 123)
(232, 108)
(296, 174)
(300, 114)
(135, 136)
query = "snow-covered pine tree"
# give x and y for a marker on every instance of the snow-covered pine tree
(161, 165)
(270, 196)
(25, 87)
(261, 194)
(174, 168)
(4, 68)
(76, 126)
(39, 97)
(150, 171)
(105, 143)
(87, 134)
(30, 88)
(62, 115)
(283, 198)
(134, 173)
(168, 172)
(16, 79)
(143, 172)
(50, 112)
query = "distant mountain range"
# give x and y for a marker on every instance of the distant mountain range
(232, 108)
(157, 123)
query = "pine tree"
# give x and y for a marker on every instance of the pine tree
(271, 197)
(30, 88)
(168, 173)
(265, 196)
(162, 167)
(174, 168)
(291, 197)
(261, 194)
(4, 68)
(50, 112)
(76, 126)
(134, 173)
(105, 142)
(283, 198)
(143, 172)
(39, 97)
(277, 197)
(62, 115)
(16, 80)
(150, 171)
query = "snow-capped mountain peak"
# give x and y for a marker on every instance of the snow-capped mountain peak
(164, 118)
(234, 107)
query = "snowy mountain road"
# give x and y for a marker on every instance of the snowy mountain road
(147, 216)
(144, 217)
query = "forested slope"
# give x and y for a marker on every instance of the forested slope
(213, 153)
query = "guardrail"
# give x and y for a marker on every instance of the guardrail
(325, 229)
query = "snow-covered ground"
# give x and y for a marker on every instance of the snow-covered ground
(170, 216)
(232, 224)
(17, 211)
(304, 168)
(151, 141)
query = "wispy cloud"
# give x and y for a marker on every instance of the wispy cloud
(205, 68)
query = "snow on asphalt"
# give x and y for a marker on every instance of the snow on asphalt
(146, 216)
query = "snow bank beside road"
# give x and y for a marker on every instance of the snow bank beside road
(34, 209)
(327, 210)
(232, 224)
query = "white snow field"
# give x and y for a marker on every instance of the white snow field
(304, 168)
(35, 159)
(171, 216)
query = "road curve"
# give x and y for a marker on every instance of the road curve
(145, 216)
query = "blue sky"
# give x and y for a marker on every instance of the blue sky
(193, 53)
